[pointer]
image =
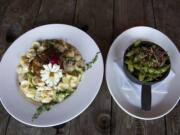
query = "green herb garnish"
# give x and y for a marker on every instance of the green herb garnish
(69, 59)
(89, 64)
(42, 108)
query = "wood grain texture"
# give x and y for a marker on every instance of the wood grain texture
(4, 120)
(173, 122)
(128, 13)
(65, 130)
(56, 11)
(16, 128)
(4, 116)
(17, 18)
(4, 4)
(123, 124)
(167, 20)
(97, 15)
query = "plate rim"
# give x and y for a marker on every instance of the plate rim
(94, 95)
(108, 83)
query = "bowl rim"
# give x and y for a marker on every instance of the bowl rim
(94, 95)
(108, 84)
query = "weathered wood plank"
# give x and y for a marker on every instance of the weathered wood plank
(17, 17)
(168, 20)
(128, 13)
(4, 4)
(97, 16)
(63, 129)
(123, 124)
(4, 119)
(173, 122)
(4, 116)
(16, 128)
(56, 11)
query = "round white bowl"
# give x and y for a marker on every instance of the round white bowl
(22, 110)
(162, 103)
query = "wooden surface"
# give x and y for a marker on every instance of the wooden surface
(103, 20)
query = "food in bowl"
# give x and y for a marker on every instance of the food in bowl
(49, 72)
(147, 61)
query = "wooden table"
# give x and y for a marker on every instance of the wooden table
(103, 20)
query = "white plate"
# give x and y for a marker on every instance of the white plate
(19, 107)
(161, 103)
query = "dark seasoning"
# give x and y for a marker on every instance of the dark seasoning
(147, 61)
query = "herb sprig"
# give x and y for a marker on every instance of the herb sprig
(89, 64)
(42, 108)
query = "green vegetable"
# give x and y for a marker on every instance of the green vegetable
(76, 72)
(146, 61)
(137, 67)
(89, 64)
(70, 59)
(137, 43)
(130, 66)
(64, 93)
(42, 108)
(61, 95)
(30, 79)
(130, 53)
(30, 76)
(141, 76)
